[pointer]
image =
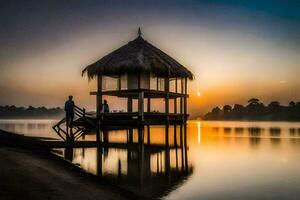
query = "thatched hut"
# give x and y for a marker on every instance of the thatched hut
(138, 70)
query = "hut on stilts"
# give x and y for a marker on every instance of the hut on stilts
(140, 73)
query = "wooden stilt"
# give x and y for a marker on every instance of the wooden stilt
(141, 106)
(99, 161)
(167, 154)
(99, 104)
(148, 105)
(185, 100)
(182, 148)
(185, 146)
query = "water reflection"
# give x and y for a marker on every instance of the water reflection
(254, 131)
(227, 129)
(275, 131)
(275, 141)
(31, 127)
(254, 141)
(292, 131)
(249, 163)
(215, 129)
(239, 130)
(145, 167)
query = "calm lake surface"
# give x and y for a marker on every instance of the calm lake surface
(225, 160)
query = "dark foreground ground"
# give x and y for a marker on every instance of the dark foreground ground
(29, 172)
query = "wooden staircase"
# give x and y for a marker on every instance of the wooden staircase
(82, 123)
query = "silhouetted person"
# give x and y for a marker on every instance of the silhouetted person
(69, 108)
(105, 107)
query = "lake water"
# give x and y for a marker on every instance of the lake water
(223, 160)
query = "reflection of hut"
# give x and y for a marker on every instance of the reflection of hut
(254, 131)
(227, 129)
(138, 71)
(153, 170)
(292, 131)
(275, 131)
(239, 130)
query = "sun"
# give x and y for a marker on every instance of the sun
(198, 94)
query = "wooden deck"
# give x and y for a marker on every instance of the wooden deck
(111, 121)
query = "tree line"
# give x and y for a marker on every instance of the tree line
(256, 110)
(9, 112)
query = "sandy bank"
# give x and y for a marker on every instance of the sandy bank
(34, 173)
(24, 175)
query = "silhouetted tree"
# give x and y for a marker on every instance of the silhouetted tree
(237, 111)
(292, 104)
(226, 108)
(30, 112)
(255, 110)
(253, 101)
(226, 111)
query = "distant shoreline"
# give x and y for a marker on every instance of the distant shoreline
(256, 111)
(14, 112)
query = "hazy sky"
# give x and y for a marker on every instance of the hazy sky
(236, 49)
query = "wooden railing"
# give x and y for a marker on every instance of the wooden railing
(76, 130)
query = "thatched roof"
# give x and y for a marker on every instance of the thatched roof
(137, 56)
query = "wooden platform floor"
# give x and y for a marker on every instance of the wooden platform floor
(111, 121)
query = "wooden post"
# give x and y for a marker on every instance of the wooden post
(129, 105)
(148, 105)
(141, 105)
(175, 99)
(185, 146)
(181, 147)
(129, 110)
(181, 86)
(176, 85)
(130, 135)
(167, 151)
(175, 144)
(99, 161)
(181, 98)
(141, 155)
(180, 105)
(185, 99)
(99, 104)
(119, 169)
(167, 96)
(119, 82)
(175, 105)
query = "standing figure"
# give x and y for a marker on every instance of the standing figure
(69, 108)
(105, 107)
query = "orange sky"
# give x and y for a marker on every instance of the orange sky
(235, 53)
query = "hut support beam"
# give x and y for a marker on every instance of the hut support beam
(185, 99)
(148, 105)
(167, 95)
(99, 104)
(129, 105)
(141, 105)
(119, 82)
